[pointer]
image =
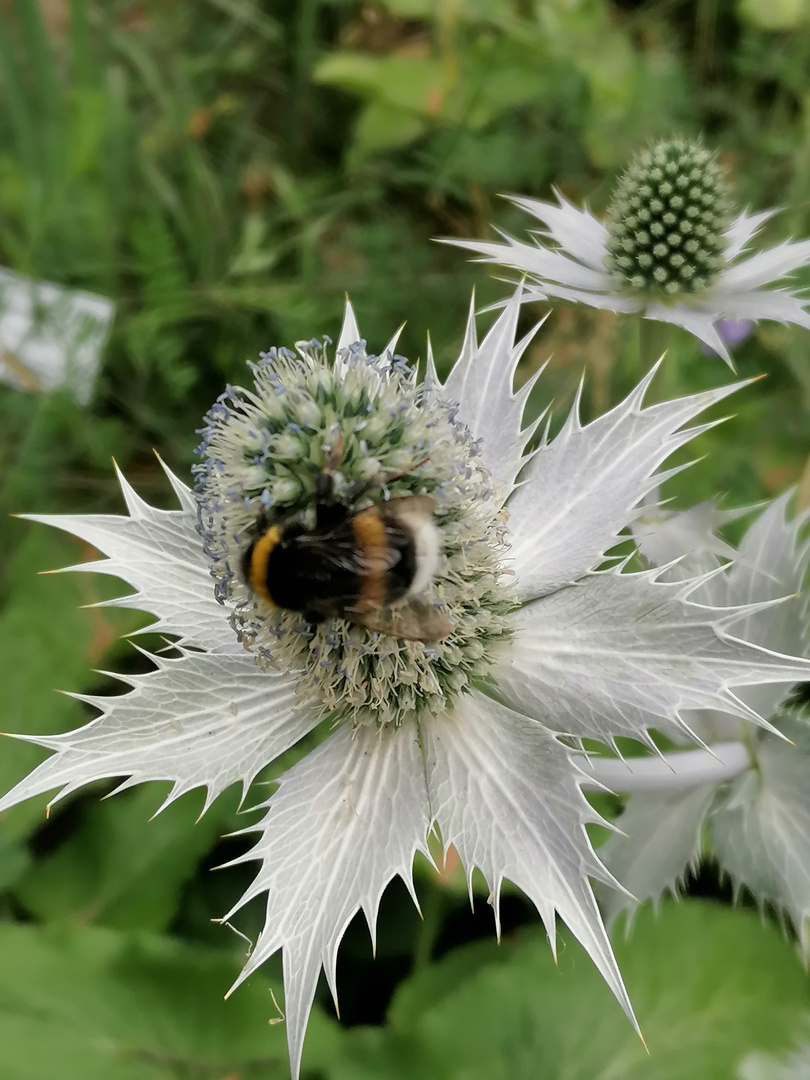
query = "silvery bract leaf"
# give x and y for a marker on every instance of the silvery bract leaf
(203, 720)
(481, 382)
(343, 823)
(769, 566)
(757, 1066)
(743, 230)
(662, 839)
(688, 536)
(160, 554)
(584, 487)
(760, 828)
(349, 330)
(350, 335)
(760, 831)
(772, 563)
(617, 654)
(505, 794)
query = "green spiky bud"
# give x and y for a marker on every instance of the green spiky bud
(667, 220)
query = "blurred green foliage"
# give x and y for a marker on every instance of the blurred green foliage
(707, 985)
(225, 170)
(98, 1004)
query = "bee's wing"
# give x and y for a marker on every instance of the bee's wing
(414, 620)
(338, 550)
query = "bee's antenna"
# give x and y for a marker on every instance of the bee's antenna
(325, 483)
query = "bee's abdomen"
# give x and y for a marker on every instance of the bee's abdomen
(305, 572)
(256, 560)
(387, 555)
(365, 564)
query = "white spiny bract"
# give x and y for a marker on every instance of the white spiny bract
(491, 761)
(761, 1066)
(667, 248)
(757, 825)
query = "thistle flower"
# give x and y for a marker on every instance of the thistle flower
(751, 810)
(475, 735)
(670, 247)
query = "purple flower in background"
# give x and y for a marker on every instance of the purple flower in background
(732, 332)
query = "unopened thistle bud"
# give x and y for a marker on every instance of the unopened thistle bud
(667, 221)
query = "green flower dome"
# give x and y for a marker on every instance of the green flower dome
(667, 220)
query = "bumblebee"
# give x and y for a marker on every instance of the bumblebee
(368, 566)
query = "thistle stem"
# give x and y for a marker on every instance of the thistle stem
(653, 341)
(679, 770)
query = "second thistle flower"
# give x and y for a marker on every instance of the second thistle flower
(670, 247)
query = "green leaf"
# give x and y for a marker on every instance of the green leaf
(14, 860)
(40, 56)
(709, 986)
(380, 127)
(121, 869)
(411, 83)
(93, 1004)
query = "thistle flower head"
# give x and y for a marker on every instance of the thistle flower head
(475, 736)
(262, 453)
(667, 221)
(671, 247)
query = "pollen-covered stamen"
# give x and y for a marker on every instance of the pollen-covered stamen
(263, 452)
(667, 219)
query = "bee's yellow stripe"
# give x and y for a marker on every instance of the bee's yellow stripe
(258, 562)
(370, 534)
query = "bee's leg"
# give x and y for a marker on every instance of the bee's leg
(335, 457)
(325, 485)
(325, 481)
(314, 618)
